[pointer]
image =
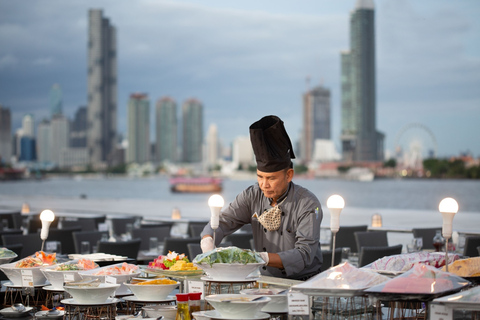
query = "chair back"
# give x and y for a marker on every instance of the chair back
(370, 239)
(179, 245)
(35, 224)
(240, 239)
(119, 224)
(146, 233)
(128, 248)
(65, 237)
(427, 235)
(85, 224)
(371, 254)
(11, 231)
(31, 242)
(478, 249)
(202, 224)
(195, 230)
(194, 250)
(93, 237)
(14, 219)
(327, 258)
(471, 244)
(345, 237)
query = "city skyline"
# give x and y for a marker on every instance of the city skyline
(258, 57)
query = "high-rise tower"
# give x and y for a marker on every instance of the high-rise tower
(138, 128)
(166, 125)
(102, 89)
(5, 135)
(192, 116)
(360, 139)
(55, 100)
(316, 120)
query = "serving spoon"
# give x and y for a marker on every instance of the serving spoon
(19, 307)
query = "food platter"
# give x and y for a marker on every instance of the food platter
(176, 273)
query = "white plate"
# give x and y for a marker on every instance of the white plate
(248, 279)
(52, 288)
(72, 301)
(11, 285)
(45, 315)
(10, 313)
(134, 298)
(214, 314)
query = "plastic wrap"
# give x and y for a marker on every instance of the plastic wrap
(123, 269)
(80, 264)
(228, 255)
(465, 267)
(461, 299)
(421, 280)
(405, 262)
(343, 279)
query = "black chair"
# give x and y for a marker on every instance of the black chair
(93, 237)
(345, 237)
(427, 235)
(252, 244)
(31, 242)
(194, 250)
(240, 239)
(146, 225)
(471, 244)
(370, 254)
(370, 239)
(65, 237)
(11, 231)
(195, 230)
(327, 258)
(85, 224)
(119, 224)
(478, 249)
(246, 228)
(35, 224)
(179, 245)
(14, 219)
(146, 233)
(202, 223)
(128, 248)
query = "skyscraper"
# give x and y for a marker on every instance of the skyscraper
(212, 147)
(138, 150)
(5, 135)
(60, 138)
(360, 139)
(316, 120)
(78, 129)
(192, 128)
(55, 100)
(102, 89)
(44, 142)
(166, 126)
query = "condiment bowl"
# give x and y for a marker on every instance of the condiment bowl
(278, 303)
(168, 312)
(57, 278)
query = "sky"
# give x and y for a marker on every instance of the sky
(247, 59)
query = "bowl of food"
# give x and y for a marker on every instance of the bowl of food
(168, 312)
(278, 303)
(33, 263)
(67, 272)
(153, 290)
(122, 272)
(6, 255)
(88, 294)
(229, 263)
(237, 306)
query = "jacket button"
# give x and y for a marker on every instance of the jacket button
(264, 249)
(281, 233)
(283, 213)
(283, 272)
(264, 229)
(264, 268)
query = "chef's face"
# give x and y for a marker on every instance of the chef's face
(274, 184)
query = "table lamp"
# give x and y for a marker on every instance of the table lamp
(335, 204)
(448, 207)
(47, 216)
(215, 202)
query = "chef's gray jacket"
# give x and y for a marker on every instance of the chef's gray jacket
(296, 241)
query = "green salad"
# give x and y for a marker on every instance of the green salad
(228, 255)
(6, 253)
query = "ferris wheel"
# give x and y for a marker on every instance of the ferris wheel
(414, 143)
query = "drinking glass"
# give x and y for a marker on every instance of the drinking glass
(85, 247)
(153, 245)
(418, 243)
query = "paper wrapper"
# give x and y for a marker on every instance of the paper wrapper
(405, 262)
(465, 267)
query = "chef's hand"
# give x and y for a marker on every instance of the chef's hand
(264, 256)
(207, 244)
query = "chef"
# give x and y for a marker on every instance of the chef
(285, 217)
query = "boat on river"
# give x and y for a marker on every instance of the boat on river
(195, 184)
